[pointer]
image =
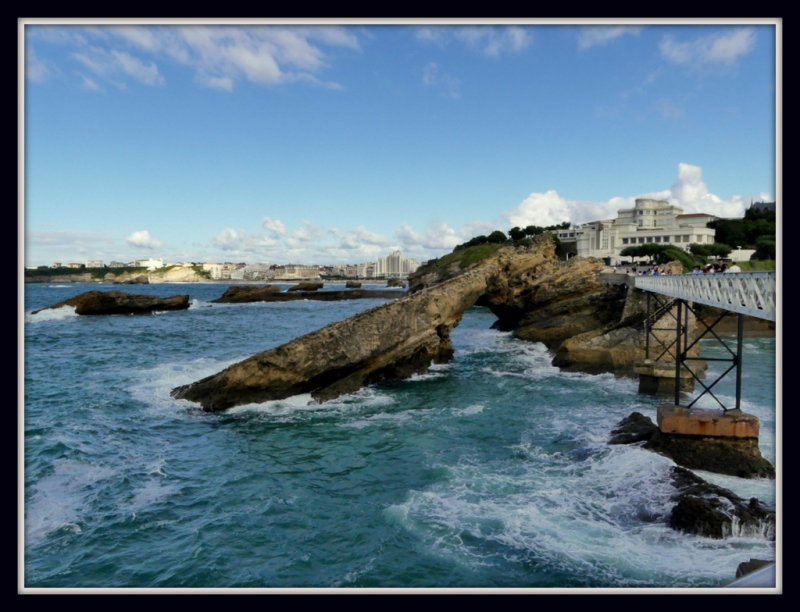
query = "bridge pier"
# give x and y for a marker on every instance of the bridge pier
(659, 377)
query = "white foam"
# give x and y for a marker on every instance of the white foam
(473, 409)
(61, 499)
(53, 314)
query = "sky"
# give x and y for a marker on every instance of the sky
(328, 143)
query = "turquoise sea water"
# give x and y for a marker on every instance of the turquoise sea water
(490, 471)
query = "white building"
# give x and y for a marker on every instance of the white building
(94, 263)
(150, 264)
(253, 272)
(649, 221)
(395, 265)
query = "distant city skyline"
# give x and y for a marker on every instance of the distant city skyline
(341, 143)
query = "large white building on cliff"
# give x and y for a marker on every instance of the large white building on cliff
(649, 221)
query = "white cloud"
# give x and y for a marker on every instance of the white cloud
(489, 40)
(357, 238)
(688, 191)
(301, 237)
(593, 36)
(35, 69)
(275, 226)
(142, 240)
(241, 242)
(448, 85)
(719, 49)
(112, 64)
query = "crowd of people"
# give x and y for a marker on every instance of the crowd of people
(656, 270)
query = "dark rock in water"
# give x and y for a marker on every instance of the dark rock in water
(635, 428)
(306, 286)
(733, 456)
(352, 285)
(119, 302)
(753, 565)
(322, 296)
(709, 510)
(395, 282)
(246, 293)
(395, 340)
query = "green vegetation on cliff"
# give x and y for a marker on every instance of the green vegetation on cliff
(467, 256)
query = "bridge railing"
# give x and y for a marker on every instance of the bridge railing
(750, 293)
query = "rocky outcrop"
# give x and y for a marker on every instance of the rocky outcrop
(246, 293)
(178, 274)
(306, 286)
(321, 296)
(724, 455)
(708, 510)
(395, 282)
(402, 338)
(352, 285)
(61, 278)
(395, 340)
(130, 279)
(119, 302)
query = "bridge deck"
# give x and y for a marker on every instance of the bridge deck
(750, 293)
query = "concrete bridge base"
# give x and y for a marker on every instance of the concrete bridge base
(659, 377)
(707, 423)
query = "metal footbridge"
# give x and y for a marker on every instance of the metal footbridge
(671, 297)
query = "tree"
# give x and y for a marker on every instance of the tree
(516, 233)
(497, 237)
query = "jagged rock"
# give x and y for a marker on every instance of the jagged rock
(128, 279)
(709, 510)
(306, 286)
(753, 565)
(352, 285)
(395, 340)
(246, 293)
(119, 302)
(634, 428)
(395, 282)
(723, 455)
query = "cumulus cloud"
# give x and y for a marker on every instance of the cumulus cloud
(241, 242)
(714, 49)
(357, 238)
(688, 191)
(304, 235)
(275, 226)
(142, 240)
(489, 40)
(593, 36)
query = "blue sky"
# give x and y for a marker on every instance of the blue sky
(339, 143)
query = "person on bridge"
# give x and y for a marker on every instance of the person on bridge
(734, 268)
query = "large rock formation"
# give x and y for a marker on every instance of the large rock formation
(119, 302)
(399, 339)
(273, 294)
(307, 286)
(395, 340)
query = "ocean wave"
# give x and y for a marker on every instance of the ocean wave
(54, 314)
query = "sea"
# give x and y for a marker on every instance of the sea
(491, 471)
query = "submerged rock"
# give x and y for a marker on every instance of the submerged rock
(119, 302)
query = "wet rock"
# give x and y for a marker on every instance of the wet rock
(395, 340)
(352, 285)
(634, 428)
(709, 510)
(119, 302)
(246, 293)
(307, 286)
(395, 282)
(753, 565)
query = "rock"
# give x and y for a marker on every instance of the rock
(119, 302)
(322, 296)
(395, 282)
(129, 279)
(177, 274)
(634, 428)
(709, 510)
(352, 285)
(394, 340)
(753, 565)
(306, 286)
(246, 293)
(722, 455)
